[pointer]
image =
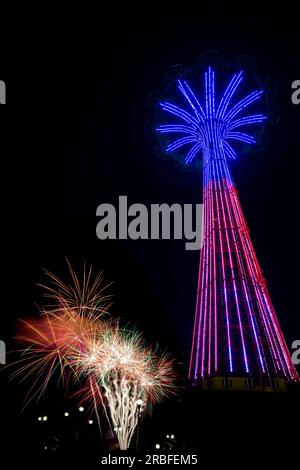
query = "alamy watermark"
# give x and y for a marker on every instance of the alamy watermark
(296, 93)
(2, 92)
(296, 353)
(2, 352)
(160, 221)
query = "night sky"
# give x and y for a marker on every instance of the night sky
(74, 134)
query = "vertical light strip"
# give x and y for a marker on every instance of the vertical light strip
(206, 269)
(220, 226)
(234, 229)
(213, 106)
(207, 229)
(202, 268)
(226, 227)
(197, 319)
(214, 275)
(210, 287)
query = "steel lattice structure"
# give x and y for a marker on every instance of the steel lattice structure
(236, 330)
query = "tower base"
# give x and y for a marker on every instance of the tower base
(246, 384)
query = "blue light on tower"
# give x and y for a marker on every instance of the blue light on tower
(210, 123)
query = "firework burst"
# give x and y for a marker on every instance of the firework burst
(113, 367)
(132, 378)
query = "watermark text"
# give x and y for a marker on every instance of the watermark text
(296, 93)
(296, 353)
(2, 92)
(2, 352)
(160, 221)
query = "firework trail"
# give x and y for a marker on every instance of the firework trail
(75, 339)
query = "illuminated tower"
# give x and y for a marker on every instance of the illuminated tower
(236, 331)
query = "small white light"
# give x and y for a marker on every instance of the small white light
(167, 436)
(66, 414)
(157, 446)
(90, 421)
(81, 409)
(45, 418)
(172, 436)
(40, 418)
